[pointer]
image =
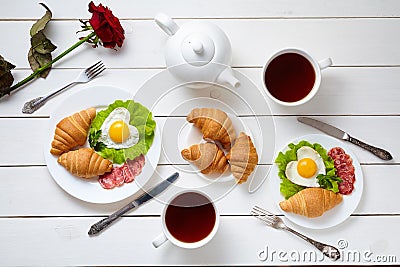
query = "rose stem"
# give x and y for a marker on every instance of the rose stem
(41, 69)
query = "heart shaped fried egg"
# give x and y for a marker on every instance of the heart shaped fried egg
(116, 132)
(305, 170)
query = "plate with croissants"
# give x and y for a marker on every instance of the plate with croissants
(317, 181)
(215, 143)
(101, 145)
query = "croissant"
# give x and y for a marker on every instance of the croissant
(243, 158)
(214, 124)
(85, 163)
(72, 131)
(311, 202)
(208, 157)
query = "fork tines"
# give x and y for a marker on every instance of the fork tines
(93, 66)
(95, 69)
(263, 215)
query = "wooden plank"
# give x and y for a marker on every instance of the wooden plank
(21, 135)
(349, 42)
(130, 80)
(363, 87)
(21, 186)
(347, 91)
(25, 135)
(220, 9)
(375, 130)
(238, 241)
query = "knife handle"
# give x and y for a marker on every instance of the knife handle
(379, 152)
(101, 225)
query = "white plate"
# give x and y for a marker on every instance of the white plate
(190, 135)
(172, 98)
(90, 190)
(337, 214)
(178, 136)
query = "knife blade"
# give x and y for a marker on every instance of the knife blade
(143, 198)
(336, 132)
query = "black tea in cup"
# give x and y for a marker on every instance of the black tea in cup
(289, 77)
(190, 217)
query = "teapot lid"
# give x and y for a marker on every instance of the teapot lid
(198, 49)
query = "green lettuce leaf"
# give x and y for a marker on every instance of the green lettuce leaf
(288, 188)
(329, 181)
(140, 117)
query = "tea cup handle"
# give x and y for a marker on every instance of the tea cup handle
(159, 240)
(323, 64)
(166, 24)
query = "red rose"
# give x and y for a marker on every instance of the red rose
(106, 26)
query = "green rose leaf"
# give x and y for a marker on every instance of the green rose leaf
(32, 61)
(41, 44)
(39, 54)
(5, 65)
(37, 60)
(6, 81)
(6, 78)
(42, 22)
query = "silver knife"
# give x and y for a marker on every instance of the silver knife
(335, 132)
(146, 196)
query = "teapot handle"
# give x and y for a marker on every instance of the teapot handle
(166, 24)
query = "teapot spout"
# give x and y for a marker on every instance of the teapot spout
(227, 77)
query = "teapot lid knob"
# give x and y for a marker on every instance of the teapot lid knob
(197, 46)
(198, 49)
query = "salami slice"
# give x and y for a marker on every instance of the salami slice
(107, 181)
(136, 165)
(335, 151)
(345, 188)
(347, 176)
(128, 175)
(345, 158)
(113, 179)
(119, 176)
(344, 169)
(125, 173)
(337, 162)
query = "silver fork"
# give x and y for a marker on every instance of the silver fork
(274, 221)
(86, 75)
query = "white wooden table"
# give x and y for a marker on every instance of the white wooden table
(40, 224)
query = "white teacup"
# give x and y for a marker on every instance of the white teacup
(189, 220)
(292, 77)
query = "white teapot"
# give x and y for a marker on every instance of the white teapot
(197, 52)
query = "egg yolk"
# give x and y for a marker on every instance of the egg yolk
(306, 167)
(119, 131)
